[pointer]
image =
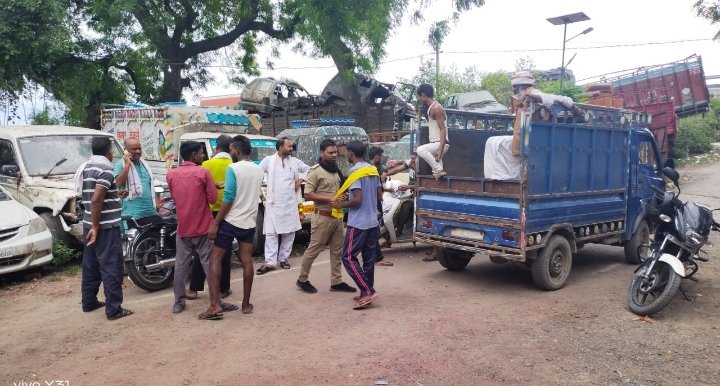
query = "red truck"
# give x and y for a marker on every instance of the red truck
(665, 92)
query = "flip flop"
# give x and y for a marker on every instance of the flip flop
(430, 258)
(226, 294)
(249, 311)
(207, 316)
(386, 263)
(229, 307)
(188, 297)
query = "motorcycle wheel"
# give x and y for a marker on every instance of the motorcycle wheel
(647, 296)
(147, 251)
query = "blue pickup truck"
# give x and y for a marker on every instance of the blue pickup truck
(577, 180)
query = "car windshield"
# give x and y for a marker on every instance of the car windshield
(40, 154)
(261, 148)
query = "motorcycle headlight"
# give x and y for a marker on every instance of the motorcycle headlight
(694, 237)
(665, 218)
(131, 233)
(37, 225)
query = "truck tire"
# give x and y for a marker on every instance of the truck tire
(56, 228)
(259, 238)
(640, 237)
(552, 266)
(453, 259)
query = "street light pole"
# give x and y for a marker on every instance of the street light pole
(562, 64)
(565, 20)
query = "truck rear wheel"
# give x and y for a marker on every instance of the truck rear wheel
(639, 238)
(453, 259)
(552, 267)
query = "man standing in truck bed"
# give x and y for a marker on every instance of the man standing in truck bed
(434, 151)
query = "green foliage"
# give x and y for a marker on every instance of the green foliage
(696, 133)
(709, 10)
(498, 84)
(44, 118)
(451, 81)
(569, 89)
(62, 254)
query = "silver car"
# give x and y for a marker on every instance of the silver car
(25, 240)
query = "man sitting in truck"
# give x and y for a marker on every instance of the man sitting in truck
(523, 84)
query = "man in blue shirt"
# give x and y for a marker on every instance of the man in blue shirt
(133, 174)
(364, 193)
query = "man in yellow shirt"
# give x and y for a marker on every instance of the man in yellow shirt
(217, 166)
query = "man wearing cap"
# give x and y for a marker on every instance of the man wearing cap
(523, 86)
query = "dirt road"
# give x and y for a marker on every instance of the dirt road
(484, 325)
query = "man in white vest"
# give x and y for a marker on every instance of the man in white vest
(439, 144)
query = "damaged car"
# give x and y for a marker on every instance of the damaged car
(267, 94)
(25, 241)
(373, 92)
(37, 165)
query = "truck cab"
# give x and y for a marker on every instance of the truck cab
(576, 180)
(37, 165)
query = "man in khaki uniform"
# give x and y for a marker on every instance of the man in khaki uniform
(323, 181)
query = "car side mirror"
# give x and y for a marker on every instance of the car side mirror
(9, 170)
(669, 163)
(672, 174)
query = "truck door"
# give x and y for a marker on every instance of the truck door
(649, 170)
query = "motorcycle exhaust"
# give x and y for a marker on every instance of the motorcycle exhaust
(161, 264)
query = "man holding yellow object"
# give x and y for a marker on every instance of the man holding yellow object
(360, 195)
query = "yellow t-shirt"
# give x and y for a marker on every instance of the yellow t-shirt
(218, 166)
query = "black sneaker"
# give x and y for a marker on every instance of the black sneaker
(305, 286)
(342, 287)
(264, 269)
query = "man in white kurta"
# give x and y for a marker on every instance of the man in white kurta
(284, 174)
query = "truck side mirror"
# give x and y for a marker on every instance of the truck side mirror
(669, 163)
(9, 170)
(672, 174)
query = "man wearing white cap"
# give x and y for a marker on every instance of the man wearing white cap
(522, 83)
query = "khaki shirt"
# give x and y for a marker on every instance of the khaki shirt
(321, 181)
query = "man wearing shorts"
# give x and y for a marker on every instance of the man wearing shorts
(235, 220)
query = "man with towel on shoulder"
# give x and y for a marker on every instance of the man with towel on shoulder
(133, 174)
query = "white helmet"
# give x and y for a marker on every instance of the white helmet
(522, 78)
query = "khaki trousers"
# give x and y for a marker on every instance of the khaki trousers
(324, 230)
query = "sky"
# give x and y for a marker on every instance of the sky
(494, 36)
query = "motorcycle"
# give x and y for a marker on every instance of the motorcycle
(150, 248)
(681, 230)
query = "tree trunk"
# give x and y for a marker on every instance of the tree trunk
(92, 110)
(173, 83)
(342, 57)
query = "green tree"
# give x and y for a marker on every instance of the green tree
(450, 80)
(354, 33)
(498, 84)
(709, 10)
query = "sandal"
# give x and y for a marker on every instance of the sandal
(229, 307)
(225, 294)
(430, 258)
(284, 265)
(94, 307)
(208, 316)
(385, 263)
(191, 297)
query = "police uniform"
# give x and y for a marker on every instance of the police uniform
(325, 229)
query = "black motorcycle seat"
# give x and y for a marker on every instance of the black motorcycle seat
(150, 220)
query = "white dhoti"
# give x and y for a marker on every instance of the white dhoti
(282, 218)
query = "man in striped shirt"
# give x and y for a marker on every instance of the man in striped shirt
(102, 255)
